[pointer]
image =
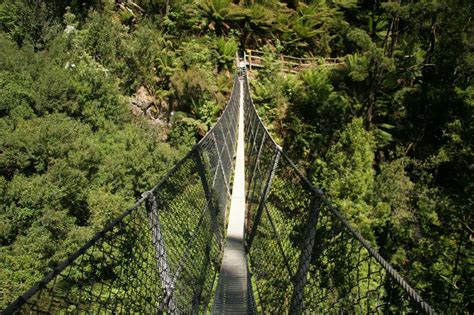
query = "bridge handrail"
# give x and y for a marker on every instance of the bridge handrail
(203, 166)
(295, 220)
(21, 300)
(291, 62)
(260, 53)
(324, 200)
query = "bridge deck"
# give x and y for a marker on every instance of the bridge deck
(232, 296)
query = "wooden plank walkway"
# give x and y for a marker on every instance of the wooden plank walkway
(232, 296)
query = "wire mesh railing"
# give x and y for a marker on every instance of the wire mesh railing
(163, 254)
(303, 255)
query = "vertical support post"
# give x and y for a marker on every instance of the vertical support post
(227, 135)
(252, 146)
(233, 131)
(221, 165)
(297, 299)
(225, 145)
(251, 141)
(261, 204)
(213, 213)
(248, 122)
(250, 59)
(252, 129)
(210, 203)
(255, 165)
(214, 177)
(169, 304)
(282, 60)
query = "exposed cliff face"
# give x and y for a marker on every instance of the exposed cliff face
(141, 101)
(144, 104)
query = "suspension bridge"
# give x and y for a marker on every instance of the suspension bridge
(233, 228)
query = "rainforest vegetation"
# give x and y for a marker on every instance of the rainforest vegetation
(98, 99)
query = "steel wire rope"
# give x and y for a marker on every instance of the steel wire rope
(251, 116)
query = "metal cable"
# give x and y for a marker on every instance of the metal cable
(162, 254)
(325, 267)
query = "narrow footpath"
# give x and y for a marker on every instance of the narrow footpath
(231, 295)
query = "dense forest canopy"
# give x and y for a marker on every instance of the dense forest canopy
(99, 98)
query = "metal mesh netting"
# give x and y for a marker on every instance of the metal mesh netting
(164, 253)
(161, 254)
(303, 255)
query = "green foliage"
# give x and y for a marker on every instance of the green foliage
(346, 173)
(143, 52)
(71, 158)
(406, 200)
(310, 28)
(28, 22)
(35, 144)
(305, 109)
(97, 96)
(226, 49)
(218, 15)
(392, 196)
(102, 38)
(388, 136)
(185, 130)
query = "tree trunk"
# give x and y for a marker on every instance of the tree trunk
(432, 43)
